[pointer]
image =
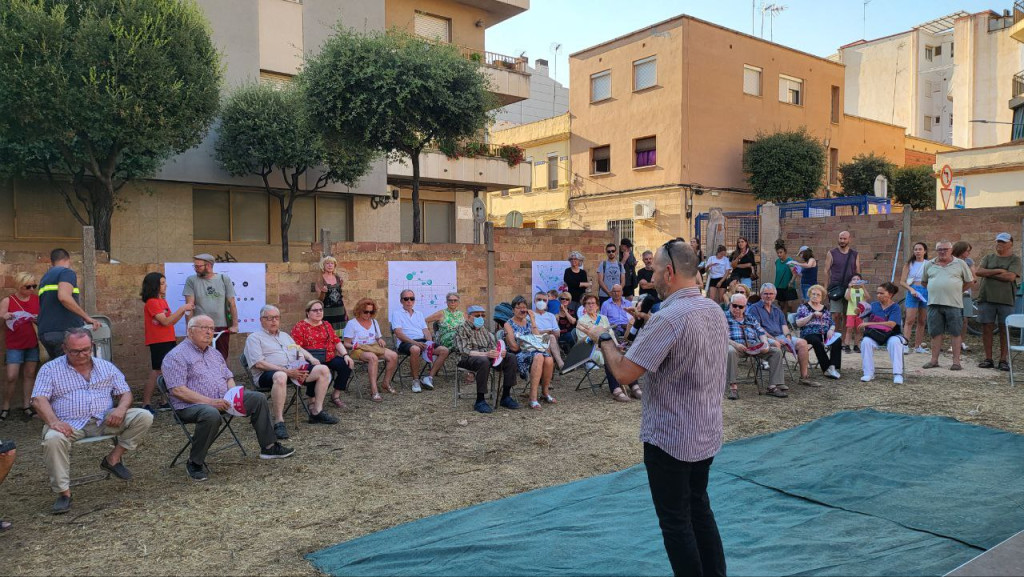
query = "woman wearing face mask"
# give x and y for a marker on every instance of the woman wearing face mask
(547, 324)
(535, 364)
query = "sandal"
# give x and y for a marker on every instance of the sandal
(809, 383)
(620, 396)
(549, 399)
(636, 392)
(337, 402)
(29, 413)
(376, 398)
(5, 525)
(955, 367)
(930, 365)
(734, 394)
(535, 405)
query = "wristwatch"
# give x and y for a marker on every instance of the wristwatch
(606, 336)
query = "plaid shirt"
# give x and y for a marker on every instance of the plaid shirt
(200, 371)
(469, 338)
(747, 332)
(75, 400)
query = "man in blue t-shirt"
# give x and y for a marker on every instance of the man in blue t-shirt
(58, 303)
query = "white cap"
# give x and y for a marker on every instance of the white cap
(1004, 237)
(803, 248)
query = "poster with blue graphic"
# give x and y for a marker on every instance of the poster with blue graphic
(548, 274)
(248, 278)
(430, 280)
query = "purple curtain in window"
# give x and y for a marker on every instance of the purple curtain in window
(646, 158)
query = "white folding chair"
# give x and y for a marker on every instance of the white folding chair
(1014, 321)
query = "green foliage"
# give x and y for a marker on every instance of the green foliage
(858, 176)
(94, 93)
(397, 94)
(913, 186)
(785, 166)
(265, 130)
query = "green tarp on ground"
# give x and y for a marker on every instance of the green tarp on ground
(856, 493)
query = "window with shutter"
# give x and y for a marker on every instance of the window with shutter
(791, 90)
(433, 27)
(752, 80)
(553, 171)
(601, 86)
(645, 73)
(645, 152)
(600, 160)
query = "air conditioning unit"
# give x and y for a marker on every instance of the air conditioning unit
(643, 209)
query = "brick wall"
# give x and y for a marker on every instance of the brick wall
(363, 265)
(917, 158)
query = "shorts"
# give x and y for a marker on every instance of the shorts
(787, 294)
(717, 282)
(266, 380)
(404, 347)
(853, 321)
(970, 311)
(993, 313)
(18, 356)
(838, 306)
(913, 302)
(746, 282)
(945, 320)
(157, 352)
(803, 290)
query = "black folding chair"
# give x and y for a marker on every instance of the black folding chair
(296, 395)
(225, 420)
(580, 355)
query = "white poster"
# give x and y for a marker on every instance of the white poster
(430, 280)
(548, 274)
(248, 278)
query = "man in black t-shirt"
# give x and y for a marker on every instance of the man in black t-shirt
(645, 275)
(58, 303)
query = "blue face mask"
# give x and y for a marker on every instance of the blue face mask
(478, 322)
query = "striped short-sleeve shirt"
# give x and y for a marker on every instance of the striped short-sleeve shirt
(683, 350)
(74, 399)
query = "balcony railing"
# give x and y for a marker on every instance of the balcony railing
(510, 153)
(1018, 11)
(494, 60)
(1018, 84)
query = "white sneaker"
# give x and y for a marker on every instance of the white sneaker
(921, 350)
(867, 378)
(906, 349)
(832, 373)
(416, 386)
(963, 346)
(765, 365)
(428, 383)
(897, 379)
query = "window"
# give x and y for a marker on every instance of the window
(833, 166)
(743, 157)
(303, 228)
(553, 171)
(41, 212)
(928, 89)
(751, 80)
(504, 192)
(929, 51)
(951, 49)
(951, 119)
(621, 229)
(791, 90)
(938, 121)
(645, 150)
(835, 105)
(645, 73)
(938, 50)
(437, 221)
(310, 214)
(601, 86)
(927, 123)
(275, 79)
(230, 215)
(433, 27)
(600, 160)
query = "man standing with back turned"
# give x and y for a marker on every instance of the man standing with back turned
(58, 303)
(682, 350)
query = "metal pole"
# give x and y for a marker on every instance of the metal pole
(896, 256)
(489, 241)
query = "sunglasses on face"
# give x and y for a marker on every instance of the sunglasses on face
(563, 298)
(30, 286)
(408, 299)
(610, 251)
(741, 307)
(370, 312)
(316, 310)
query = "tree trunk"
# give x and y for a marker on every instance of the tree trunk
(286, 223)
(415, 157)
(101, 209)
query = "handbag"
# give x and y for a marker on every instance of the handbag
(530, 343)
(374, 348)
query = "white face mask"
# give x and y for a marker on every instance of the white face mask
(540, 305)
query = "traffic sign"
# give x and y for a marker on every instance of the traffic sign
(947, 193)
(960, 196)
(946, 174)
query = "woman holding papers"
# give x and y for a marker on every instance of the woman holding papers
(816, 327)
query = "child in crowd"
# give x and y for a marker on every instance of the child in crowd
(854, 296)
(718, 268)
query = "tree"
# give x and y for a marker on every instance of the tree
(913, 186)
(95, 93)
(397, 94)
(265, 130)
(785, 166)
(858, 176)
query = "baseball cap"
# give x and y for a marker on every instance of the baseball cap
(803, 248)
(1004, 237)
(205, 256)
(475, 309)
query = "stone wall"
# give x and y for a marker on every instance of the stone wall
(363, 265)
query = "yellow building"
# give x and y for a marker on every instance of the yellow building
(990, 176)
(544, 203)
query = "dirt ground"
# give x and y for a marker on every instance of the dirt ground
(409, 457)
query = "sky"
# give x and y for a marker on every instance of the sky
(815, 26)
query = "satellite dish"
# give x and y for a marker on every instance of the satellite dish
(479, 210)
(514, 219)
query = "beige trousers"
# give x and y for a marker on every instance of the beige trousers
(57, 447)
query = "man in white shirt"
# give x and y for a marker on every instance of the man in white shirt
(411, 331)
(547, 324)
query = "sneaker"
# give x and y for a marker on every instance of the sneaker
(964, 347)
(280, 431)
(776, 392)
(483, 407)
(323, 417)
(416, 386)
(276, 451)
(765, 365)
(906, 349)
(897, 379)
(509, 403)
(856, 348)
(866, 378)
(847, 349)
(61, 505)
(832, 373)
(196, 472)
(428, 383)
(921, 350)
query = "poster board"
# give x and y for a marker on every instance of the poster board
(547, 275)
(430, 280)
(248, 278)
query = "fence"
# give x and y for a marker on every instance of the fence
(737, 224)
(839, 206)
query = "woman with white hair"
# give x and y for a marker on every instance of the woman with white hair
(575, 279)
(448, 320)
(328, 286)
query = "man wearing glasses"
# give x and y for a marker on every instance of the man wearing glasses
(479, 350)
(197, 378)
(214, 296)
(682, 352)
(748, 339)
(410, 328)
(73, 395)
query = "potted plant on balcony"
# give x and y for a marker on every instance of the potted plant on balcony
(476, 57)
(474, 149)
(512, 154)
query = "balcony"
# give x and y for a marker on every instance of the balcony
(1017, 31)
(1018, 85)
(508, 77)
(499, 10)
(484, 170)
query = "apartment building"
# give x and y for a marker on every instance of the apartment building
(1017, 82)
(661, 118)
(946, 80)
(548, 98)
(544, 202)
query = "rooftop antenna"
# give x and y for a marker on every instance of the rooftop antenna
(866, 2)
(556, 47)
(772, 10)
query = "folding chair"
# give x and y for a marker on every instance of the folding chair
(757, 372)
(583, 350)
(461, 373)
(296, 396)
(402, 358)
(103, 476)
(225, 424)
(791, 319)
(1015, 321)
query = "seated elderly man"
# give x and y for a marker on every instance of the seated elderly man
(479, 349)
(747, 338)
(411, 331)
(773, 321)
(615, 308)
(274, 359)
(73, 395)
(197, 378)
